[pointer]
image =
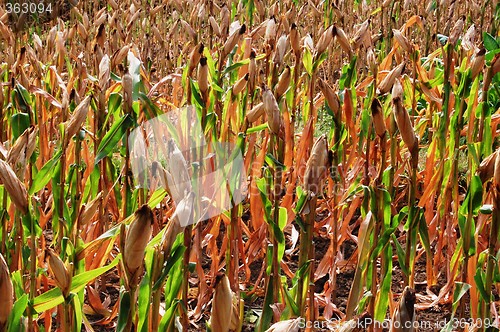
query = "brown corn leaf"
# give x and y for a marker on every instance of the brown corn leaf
(487, 167)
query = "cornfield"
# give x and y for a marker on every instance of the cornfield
(249, 165)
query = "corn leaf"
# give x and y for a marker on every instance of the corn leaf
(14, 320)
(112, 137)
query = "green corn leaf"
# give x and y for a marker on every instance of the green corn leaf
(365, 230)
(267, 312)
(19, 122)
(319, 61)
(23, 98)
(307, 61)
(234, 66)
(262, 186)
(479, 279)
(301, 200)
(77, 307)
(211, 65)
(460, 289)
(489, 42)
(290, 302)
(283, 217)
(175, 257)
(401, 255)
(363, 303)
(14, 320)
(135, 71)
(44, 175)
(167, 321)
(18, 283)
(152, 110)
(486, 209)
(143, 300)
(157, 197)
(124, 311)
(382, 298)
(114, 104)
(273, 162)
(173, 284)
(383, 241)
(256, 129)
(195, 95)
(113, 136)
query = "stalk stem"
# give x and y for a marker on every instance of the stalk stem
(155, 321)
(468, 224)
(32, 270)
(185, 283)
(379, 223)
(306, 250)
(3, 245)
(494, 228)
(413, 221)
(132, 313)
(62, 181)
